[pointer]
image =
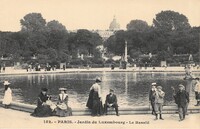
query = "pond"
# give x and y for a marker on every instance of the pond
(131, 88)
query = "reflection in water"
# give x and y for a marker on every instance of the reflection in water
(126, 83)
(131, 88)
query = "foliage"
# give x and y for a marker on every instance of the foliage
(50, 42)
(170, 20)
(137, 25)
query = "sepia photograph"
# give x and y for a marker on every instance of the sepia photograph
(100, 64)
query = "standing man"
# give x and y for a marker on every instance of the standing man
(159, 100)
(197, 91)
(152, 94)
(181, 99)
(96, 98)
(111, 101)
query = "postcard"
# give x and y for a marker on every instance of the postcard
(114, 64)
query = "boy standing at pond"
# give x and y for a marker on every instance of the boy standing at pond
(159, 100)
(152, 93)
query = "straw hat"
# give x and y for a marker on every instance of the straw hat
(62, 89)
(6, 83)
(159, 87)
(98, 79)
(111, 90)
(180, 85)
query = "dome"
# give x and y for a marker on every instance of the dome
(114, 25)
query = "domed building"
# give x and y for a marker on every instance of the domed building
(114, 25)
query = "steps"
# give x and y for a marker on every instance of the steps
(122, 111)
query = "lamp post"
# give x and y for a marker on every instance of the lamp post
(125, 54)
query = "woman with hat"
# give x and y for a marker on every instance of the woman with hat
(8, 94)
(63, 109)
(42, 109)
(94, 100)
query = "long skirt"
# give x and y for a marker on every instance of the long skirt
(97, 107)
(90, 100)
(63, 112)
(42, 111)
(197, 96)
(7, 97)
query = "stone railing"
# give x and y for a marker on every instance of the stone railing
(123, 111)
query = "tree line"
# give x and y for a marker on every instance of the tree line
(49, 41)
(170, 34)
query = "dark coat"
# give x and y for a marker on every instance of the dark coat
(42, 110)
(42, 98)
(90, 100)
(182, 98)
(152, 95)
(111, 99)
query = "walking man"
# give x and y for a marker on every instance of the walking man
(181, 99)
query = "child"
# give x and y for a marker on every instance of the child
(159, 100)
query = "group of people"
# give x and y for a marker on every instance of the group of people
(45, 107)
(181, 97)
(156, 98)
(95, 100)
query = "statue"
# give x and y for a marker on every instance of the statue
(190, 58)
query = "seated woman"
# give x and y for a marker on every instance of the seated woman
(62, 108)
(43, 109)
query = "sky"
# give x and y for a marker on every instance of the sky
(94, 14)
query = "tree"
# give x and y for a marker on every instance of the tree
(134, 53)
(137, 25)
(34, 27)
(33, 22)
(85, 41)
(170, 20)
(116, 43)
(56, 35)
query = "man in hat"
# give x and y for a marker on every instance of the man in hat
(152, 93)
(197, 91)
(111, 101)
(95, 98)
(159, 100)
(181, 99)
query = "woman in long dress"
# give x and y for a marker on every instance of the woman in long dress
(43, 109)
(94, 101)
(8, 94)
(63, 109)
